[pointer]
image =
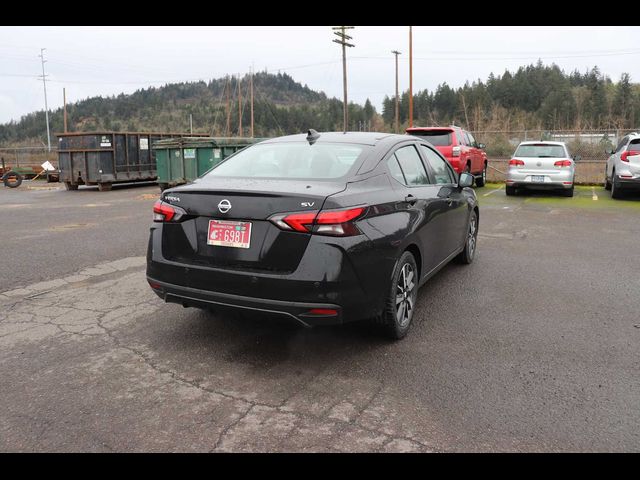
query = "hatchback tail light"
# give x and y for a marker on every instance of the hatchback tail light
(624, 156)
(455, 151)
(563, 163)
(338, 223)
(515, 162)
(164, 212)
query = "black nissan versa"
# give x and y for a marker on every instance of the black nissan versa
(322, 228)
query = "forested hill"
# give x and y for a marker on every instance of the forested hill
(281, 106)
(534, 97)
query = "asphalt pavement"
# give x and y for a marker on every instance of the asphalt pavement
(533, 347)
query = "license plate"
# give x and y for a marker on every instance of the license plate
(228, 233)
(537, 178)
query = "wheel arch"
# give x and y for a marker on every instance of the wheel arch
(417, 254)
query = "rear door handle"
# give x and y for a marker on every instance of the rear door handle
(410, 199)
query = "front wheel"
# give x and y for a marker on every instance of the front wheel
(471, 240)
(401, 301)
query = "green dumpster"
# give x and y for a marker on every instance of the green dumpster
(181, 160)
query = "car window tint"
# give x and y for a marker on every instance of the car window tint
(395, 170)
(460, 137)
(438, 165)
(622, 143)
(412, 166)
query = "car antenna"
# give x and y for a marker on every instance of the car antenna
(312, 136)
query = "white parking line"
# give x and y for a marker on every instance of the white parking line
(492, 191)
(594, 197)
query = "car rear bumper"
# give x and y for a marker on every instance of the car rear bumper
(552, 180)
(297, 311)
(629, 183)
(343, 274)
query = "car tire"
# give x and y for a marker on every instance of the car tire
(568, 192)
(482, 179)
(12, 179)
(616, 191)
(396, 316)
(471, 241)
(510, 190)
(607, 183)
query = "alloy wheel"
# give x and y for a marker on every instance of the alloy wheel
(405, 297)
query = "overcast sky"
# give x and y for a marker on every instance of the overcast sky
(92, 61)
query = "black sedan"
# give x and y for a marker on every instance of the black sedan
(321, 228)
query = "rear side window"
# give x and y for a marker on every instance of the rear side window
(411, 166)
(395, 170)
(439, 166)
(438, 138)
(634, 146)
(291, 160)
(541, 150)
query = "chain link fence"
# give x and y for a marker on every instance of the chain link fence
(589, 147)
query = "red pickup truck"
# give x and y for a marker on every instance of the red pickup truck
(459, 148)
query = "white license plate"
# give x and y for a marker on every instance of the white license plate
(537, 178)
(229, 233)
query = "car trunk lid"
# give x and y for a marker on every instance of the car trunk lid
(243, 202)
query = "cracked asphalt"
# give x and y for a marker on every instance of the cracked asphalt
(534, 347)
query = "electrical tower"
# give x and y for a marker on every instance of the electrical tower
(342, 40)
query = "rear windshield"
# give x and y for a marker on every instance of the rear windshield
(634, 146)
(438, 138)
(540, 151)
(291, 160)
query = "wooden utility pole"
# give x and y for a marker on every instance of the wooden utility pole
(251, 102)
(410, 77)
(396, 53)
(64, 98)
(227, 132)
(239, 107)
(342, 40)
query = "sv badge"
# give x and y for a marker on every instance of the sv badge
(308, 204)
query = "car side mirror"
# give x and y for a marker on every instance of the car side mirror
(482, 146)
(465, 180)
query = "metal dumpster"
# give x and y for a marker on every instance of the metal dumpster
(104, 158)
(181, 160)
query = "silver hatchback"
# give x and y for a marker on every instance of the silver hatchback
(541, 166)
(623, 166)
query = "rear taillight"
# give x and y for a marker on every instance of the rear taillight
(455, 152)
(328, 222)
(563, 163)
(624, 156)
(515, 163)
(164, 212)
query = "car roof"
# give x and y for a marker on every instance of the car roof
(545, 142)
(427, 129)
(366, 138)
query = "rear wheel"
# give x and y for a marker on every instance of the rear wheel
(398, 311)
(568, 192)
(482, 180)
(616, 191)
(510, 190)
